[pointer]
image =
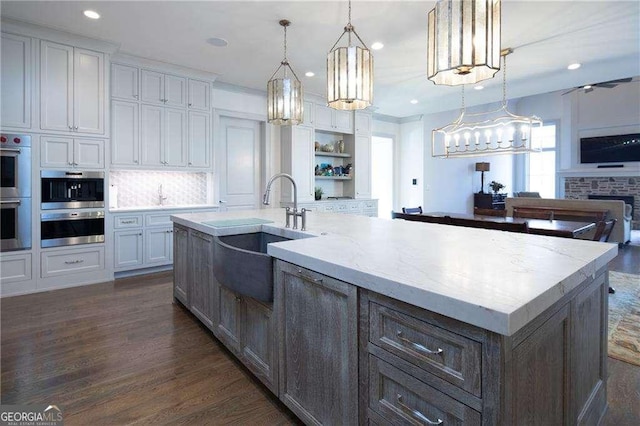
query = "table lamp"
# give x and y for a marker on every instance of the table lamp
(482, 167)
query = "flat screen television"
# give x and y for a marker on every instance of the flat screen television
(610, 149)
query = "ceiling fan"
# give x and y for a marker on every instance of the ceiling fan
(606, 84)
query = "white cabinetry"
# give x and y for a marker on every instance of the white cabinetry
(163, 136)
(158, 246)
(125, 141)
(199, 139)
(333, 120)
(15, 267)
(71, 261)
(71, 89)
(16, 70)
(128, 249)
(297, 160)
(124, 82)
(163, 89)
(362, 170)
(199, 95)
(67, 153)
(363, 123)
(309, 113)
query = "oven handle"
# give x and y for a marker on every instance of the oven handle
(11, 150)
(10, 201)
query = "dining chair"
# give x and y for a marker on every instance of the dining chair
(489, 212)
(522, 227)
(603, 232)
(442, 220)
(530, 213)
(412, 210)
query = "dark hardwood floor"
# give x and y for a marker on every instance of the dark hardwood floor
(124, 353)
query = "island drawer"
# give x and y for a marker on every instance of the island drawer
(445, 354)
(402, 399)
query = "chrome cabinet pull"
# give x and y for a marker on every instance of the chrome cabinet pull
(16, 201)
(417, 346)
(73, 262)
(417, 414)
(11, 150)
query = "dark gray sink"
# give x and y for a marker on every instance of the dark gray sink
(241, 263)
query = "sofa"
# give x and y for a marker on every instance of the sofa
(617, 209)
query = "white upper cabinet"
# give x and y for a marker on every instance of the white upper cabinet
(65, 152)
(151, 133)
(71, 89)
(175, 137)
(333, 120)
(124, 82)
(163, 89)
(199, 94)
(297, 160)
(125, 143)
(308, 115)
(199, 139)
(363, 123)
(163, 136)
(16, 71)
(362, 166)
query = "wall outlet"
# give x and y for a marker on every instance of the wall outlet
(414, 181)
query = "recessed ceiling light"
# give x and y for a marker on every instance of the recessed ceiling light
(377, 45)
(309, 73)
(478, 87)
(414, 101)
(588, 86)
(574, 66)
(92, 14)
(217, 42)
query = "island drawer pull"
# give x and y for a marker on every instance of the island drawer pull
(417, 414)
(315, 280)
(73, 262)
(418, 346)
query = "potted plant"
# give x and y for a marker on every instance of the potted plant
(496, 186)
(318, 194)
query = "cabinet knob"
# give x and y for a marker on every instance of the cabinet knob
(70, 127)
(190, 163)
(190, 104)
(70, 163)
(135, 161)
(135, 96)
(76, 128)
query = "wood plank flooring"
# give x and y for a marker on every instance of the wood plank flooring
(123, 353)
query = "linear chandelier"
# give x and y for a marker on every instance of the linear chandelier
(487, 133)
(463, 41)
(349, 73)
(285, 98)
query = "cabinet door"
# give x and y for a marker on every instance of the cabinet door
(124, 82)
(88, 153)
(363, 123)
(88, 91)
(363, 167)
(323, 118)
(56, 152)
(175, 133)
(158, 246)
(175, 91)
(309, 110)
(201, 276)
(343, 121)
(56, 86)
(125, 142)
(152, 87)
(128, 249)
(15, 81)
(151, 133)
(318, 346)
(303, 158)
(227, 320)
(259, 351)
(199, 139)
(181, 264)
(199, 95)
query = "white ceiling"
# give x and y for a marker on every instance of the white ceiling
(546, 36)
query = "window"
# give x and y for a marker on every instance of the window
(541, 176)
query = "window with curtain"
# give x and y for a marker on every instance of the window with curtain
(541, 167)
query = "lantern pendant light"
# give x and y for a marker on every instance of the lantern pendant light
(463, 41)
(285, 99)
(349, 73)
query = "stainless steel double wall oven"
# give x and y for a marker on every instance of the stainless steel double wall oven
(15, 192)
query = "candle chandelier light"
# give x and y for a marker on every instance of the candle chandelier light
(349, 73)
(487, 133)
(284, 95)
(463, 41)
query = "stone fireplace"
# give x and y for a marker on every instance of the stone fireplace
(582, 187)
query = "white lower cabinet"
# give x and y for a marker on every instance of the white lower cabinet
(158, 246)
(128, 249)
(356, 207)
(71, 261)
(15, 268)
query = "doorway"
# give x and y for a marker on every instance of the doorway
(238, 164)
(382, 174)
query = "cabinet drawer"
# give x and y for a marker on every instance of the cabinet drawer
(443, 353)
(71, 261)
(370, 204)
(159, 219)
(15, 268)
(402, 399)
(128, 221)
(354, 208)
(342, 208)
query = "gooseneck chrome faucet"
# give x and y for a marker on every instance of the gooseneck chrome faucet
(294, 213)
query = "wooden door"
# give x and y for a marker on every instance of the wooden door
(259, 349)
(124, 82)
(238, 163)
(88, 91)
(56, 152)
(151, 87)
(125, 142)
(16, 81)
(88, 153)
(151, 134)
(199, 139)
(201, 277)
(199, 95)
(181, 264)
(318, 333)
(175, 137)
(56, 86)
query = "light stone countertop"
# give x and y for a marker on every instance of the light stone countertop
(495, 280)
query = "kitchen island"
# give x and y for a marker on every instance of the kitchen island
(452, 325)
